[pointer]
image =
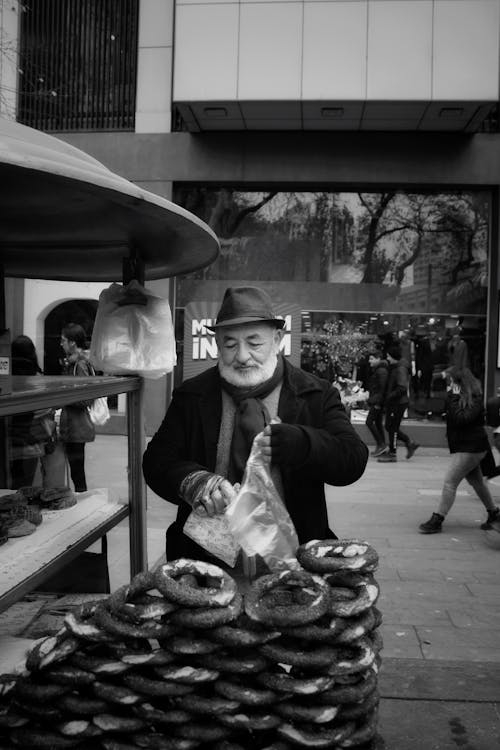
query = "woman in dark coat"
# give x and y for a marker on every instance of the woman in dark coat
(468, 443)
(75, 427)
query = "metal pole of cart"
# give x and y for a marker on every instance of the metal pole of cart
(133, 268)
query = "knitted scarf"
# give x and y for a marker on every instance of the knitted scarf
(251, 417)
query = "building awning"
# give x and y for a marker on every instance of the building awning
(65, 216)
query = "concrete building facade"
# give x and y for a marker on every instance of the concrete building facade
(317, 97)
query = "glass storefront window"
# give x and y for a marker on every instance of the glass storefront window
(393, 265)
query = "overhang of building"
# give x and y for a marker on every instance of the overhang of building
(417, 116)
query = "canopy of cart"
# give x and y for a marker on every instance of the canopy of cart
(65, 216)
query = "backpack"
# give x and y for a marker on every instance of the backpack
(493, 411)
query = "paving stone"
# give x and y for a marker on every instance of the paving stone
(439, 680)
(438, 725)
(479, 615)
(400, 641)
(473, 644)
(412, 614)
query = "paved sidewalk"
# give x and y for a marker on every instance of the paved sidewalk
(440, 600)
(440, 596)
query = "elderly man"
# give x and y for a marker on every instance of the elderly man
(200, 450)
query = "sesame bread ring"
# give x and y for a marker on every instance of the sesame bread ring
(190, 644)
(146, 607)
(156, 657)
(246, 694)
(357, 711)
(248, 662)
(147, 629)
(110, 743)
(253, 722)
(227, 745)
(324, 630)
(186, 674)
(81, 728)
(98, 664)
(217, 588)
(156, 688)
(82, 705)
(341, 694)
(203, 732)
(353, 657)
(315, 714)
(359, 626)
(367, 595)
(39, 692)
(50, 650)
(288, 598)
(7, 684)
(291, 653)
(209, 704)
(287, 683)
(207, 617)
(41, 738)
(362, 734)
(86, 628)
(67, 674)
(331, 555)
(133, 602)
(37, 711)
(161, 742)
(116, 693)
(323, 737)
(162, 716)
(111, 723)
(243, 632)
(347, 578)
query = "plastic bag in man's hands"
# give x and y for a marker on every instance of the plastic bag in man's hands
(258, 519)
(133, 333)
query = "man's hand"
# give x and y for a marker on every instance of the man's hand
(207, 493)
(284, 443)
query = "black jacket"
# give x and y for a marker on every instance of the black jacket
(397, 385)
(465, 425)
(377, 384)
(186, 441)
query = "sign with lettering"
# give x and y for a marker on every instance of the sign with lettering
(200, 348)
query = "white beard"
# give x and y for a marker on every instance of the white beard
(248, 377)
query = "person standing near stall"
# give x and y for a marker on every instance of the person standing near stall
(377, 385)
(75, 426)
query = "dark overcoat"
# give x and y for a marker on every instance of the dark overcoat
(186, 441)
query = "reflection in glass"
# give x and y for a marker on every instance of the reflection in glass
(362, 267)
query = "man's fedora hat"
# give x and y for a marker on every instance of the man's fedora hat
(245, 304)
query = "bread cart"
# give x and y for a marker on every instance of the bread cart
(67, 217)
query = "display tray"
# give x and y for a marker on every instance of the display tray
(26, 561)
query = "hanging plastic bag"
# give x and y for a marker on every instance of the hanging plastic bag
(258, 519)
(133, 333)
(99, 411)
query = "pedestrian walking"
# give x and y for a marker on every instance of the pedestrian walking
(468, 443)
(396, 403)
(377, 385)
